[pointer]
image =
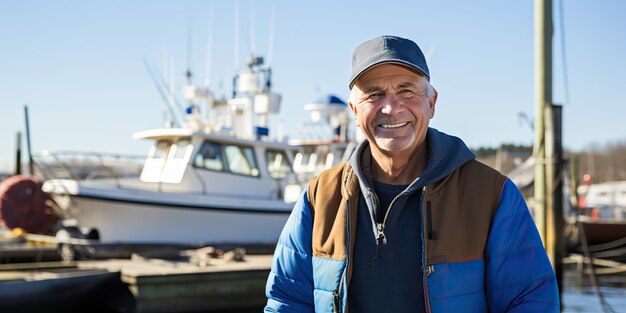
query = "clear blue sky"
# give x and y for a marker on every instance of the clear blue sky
(79, 64)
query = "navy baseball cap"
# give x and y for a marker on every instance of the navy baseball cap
(387, 49)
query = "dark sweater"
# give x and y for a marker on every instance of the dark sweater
(393, 281)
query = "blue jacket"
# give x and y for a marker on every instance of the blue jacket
(481, 249)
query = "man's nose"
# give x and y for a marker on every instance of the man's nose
(392, 105)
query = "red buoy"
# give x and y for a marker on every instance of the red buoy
(24, 204)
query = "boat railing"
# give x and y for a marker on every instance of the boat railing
(80, 165)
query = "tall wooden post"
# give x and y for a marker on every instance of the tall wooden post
(547, 150)
(543, 97)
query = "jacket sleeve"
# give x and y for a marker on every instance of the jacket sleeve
(290, 283)
(519, 276)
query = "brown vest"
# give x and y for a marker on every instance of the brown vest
(462, 207)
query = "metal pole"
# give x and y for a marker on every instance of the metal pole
(554, 185)
(559, 241)
(30, 151)
(543, 97)
(18, 154)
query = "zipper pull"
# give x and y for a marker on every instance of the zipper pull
(380, 235)
(429, 270)
(380, 240)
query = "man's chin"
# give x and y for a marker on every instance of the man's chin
(393, 144)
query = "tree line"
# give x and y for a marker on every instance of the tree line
(606, 162)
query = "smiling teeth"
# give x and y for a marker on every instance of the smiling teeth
(393, 125)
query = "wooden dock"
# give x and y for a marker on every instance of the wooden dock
(160, 280)
(173, 286)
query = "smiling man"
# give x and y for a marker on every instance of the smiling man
(412, 223)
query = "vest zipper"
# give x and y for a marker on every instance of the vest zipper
(427, 270)
(337, 292)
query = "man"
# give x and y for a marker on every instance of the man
(412, 223)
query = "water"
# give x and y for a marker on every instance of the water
(579, 296)
(584, 300)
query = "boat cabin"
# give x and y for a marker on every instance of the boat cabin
(183, 160)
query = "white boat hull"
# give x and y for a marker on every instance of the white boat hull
(135, 221)
(120, 221)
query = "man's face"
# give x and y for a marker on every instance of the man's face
(392, 107)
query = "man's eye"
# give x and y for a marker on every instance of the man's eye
(406, 93)
(375, 96)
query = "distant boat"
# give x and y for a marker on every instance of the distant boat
(601, 208)
(214, 179)
(603, 213)
(326, 139)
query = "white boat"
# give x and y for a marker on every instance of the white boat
(216, 179)
(326, 140)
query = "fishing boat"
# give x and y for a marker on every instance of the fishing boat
(216, 178)
(602, 212)
(600, 209)
(326, 140)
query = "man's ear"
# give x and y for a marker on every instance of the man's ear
(351, 104)
(433, 102)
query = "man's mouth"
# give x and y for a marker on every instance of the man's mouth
(393, 125)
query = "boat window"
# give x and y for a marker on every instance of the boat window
(161, 149)
(241, 160)
(209, 156)
(181, 148)
(277, 164)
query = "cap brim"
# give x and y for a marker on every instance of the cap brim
(397, 62)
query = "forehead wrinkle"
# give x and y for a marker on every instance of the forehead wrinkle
(407, 84)
(372, 89)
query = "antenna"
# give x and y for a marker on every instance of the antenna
(209, 47)
(163, 60)
(236, 34)
(171, 85)
(171, 81)
(158, 83)
(252, 32)
(189, 33)
(270, 46)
